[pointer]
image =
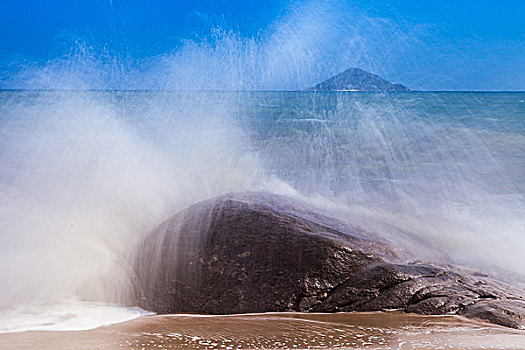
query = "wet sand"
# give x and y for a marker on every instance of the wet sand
(391, 330)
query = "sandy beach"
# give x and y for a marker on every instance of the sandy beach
(390, 330)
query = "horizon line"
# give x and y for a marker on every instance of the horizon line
(305, 91)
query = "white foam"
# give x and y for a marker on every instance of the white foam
(70, 315)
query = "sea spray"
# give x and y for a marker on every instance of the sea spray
(85, 174)
(421, 166)
(308, 42)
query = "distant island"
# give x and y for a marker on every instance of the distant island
(355, 79)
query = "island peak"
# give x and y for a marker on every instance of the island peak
(355, 79)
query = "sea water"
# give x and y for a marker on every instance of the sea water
(85, 174)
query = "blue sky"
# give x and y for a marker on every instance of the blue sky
(434, 44)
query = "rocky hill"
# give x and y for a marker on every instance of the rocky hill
(355, 79)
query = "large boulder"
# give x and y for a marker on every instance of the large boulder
(259, 252)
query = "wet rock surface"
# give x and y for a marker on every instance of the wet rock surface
(259, 252)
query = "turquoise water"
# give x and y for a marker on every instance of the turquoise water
(85, 174)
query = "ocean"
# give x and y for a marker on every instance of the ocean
(85, 174)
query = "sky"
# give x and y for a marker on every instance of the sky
(272, 44)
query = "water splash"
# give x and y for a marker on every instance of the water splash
(87, 173)
(84, 174)
(310, 41)
(433, 165)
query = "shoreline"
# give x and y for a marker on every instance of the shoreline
(385, 330)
